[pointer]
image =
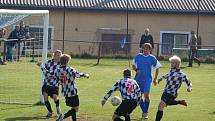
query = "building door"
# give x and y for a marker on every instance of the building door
(167, 43)
(112, 44)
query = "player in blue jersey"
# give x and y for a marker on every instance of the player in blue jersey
(143, 63)
(174, 79)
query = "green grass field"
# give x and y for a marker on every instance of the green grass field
(20, 82)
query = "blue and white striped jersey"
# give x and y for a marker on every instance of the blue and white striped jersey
(67, 76)
(48, 69)
(174, 80)
(128, 88)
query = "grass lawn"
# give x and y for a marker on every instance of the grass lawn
(21, 82)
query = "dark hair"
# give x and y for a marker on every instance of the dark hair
(127, 73)
(64, 59)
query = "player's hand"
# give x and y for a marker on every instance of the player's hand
(155, 82)
(103, 102)
(138, 72)
(86, 75)
(189, 89)
(159, 80)
(39, 63)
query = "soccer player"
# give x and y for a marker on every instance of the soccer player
(131, 95)
(50, 84)
(67, 76)
(142, 64)
(174, 79)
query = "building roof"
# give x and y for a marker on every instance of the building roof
(161, 6)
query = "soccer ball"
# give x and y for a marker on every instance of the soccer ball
(115, 101)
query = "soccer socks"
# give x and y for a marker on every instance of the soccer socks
(118, 119)
(146, 107)
(127, 118)
(58, 107)
(57, 103)
(72, 113)
(142, 105)
(175, 102)
(48, 106)
(66, 115)
(159, 115)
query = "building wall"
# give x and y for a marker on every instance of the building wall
(84, 25)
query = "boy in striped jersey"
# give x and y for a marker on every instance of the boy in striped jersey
(131, 95)
(174, 80)
(50, 84)
(67, 76)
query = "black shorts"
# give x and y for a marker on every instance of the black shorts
(126, 107)
(167, 98)
(72, 101)
(50, 90)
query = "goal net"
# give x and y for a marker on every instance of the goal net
(26, 41)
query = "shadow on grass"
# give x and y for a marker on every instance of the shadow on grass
(20, 106)
(22, 118)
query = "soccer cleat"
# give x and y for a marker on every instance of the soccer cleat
(58, 110)
(60, 117)
(145, 116)
(183, 102)
(199, 63)
(49, 114)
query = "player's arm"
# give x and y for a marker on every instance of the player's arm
(134, 67)
(45, 71)
(77, 74)
(162, 78)
(114, 88)
(188, 82)
(156, 65)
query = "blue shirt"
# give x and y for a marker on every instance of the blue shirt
(145, 63)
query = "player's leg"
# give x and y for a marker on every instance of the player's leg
(159, 114)
(121, 110)
(45, 91)
(74, 103)
(141, 85)
(56, 100)
(116, 118)
(147, 88)
(131, 105)
(171, 100)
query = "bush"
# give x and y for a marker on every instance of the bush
(210, 60)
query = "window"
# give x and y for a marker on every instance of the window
(37, 33)
(172, 40)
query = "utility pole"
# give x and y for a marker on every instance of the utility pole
(198, 12)
(64, 12)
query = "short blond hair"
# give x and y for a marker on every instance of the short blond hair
(175, 61)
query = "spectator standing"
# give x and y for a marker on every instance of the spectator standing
(193, 50)
(11, 43)
(146, 38)
(2, 34)
(199, 42)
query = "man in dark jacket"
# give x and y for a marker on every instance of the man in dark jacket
(146, 38)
